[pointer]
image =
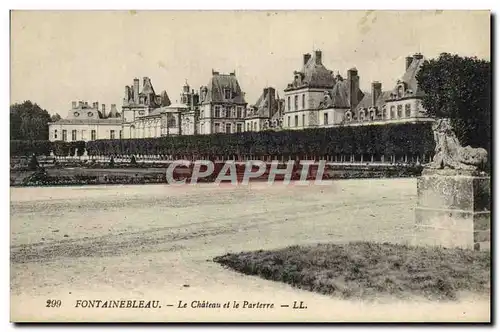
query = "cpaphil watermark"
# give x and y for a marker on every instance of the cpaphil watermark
(303, 172)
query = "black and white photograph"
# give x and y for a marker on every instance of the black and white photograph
(250, 166)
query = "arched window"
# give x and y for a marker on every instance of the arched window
(401, 91)
(400, 111)
(361, 115)
(303, 101)
(296, 102)
(393, 112)
(407, 110)
(348, 116)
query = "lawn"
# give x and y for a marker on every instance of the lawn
(367, 270)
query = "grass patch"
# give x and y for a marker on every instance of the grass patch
(369, 270)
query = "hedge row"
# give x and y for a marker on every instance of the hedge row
(390, 139)
(383, 140)
(43, 148)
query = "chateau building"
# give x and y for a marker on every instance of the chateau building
(222, 105)
(315, 98)
(144, 114)
(266, 113)
(85, 122)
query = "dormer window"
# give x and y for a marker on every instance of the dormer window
(227, 93)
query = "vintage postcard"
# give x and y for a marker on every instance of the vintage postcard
(250, 166)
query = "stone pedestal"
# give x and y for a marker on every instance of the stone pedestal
(453, 209)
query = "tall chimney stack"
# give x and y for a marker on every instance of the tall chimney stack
(318, 57)
(409, 60)
(103, 110)
(376, 92)
(307, 56)
(96, 105)
(353, 81)
(113, 110)
(136, 91)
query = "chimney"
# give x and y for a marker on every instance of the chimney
(127, 93)
(96, 105)
(271, 100)
(318, 57)
(103, 110)
(80, 103)
(376, 92)
(307, 56)
(353, 81)
(409, 60)
(136, 91)
(73, 104)
(86, 103)
(215, 72)
(113, 110)
(233, 73)
(144, 81)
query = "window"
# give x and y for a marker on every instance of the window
(121, 135)
(92, 135)
(303, 120)
(361, 115)
(239, 128)
(400, 91)
(217, 112)
(217, 127)
(400, 111)
(289, 121)
(73, 135)
(325, 118)
(112, 134)
(65, 135)
(55, 134)
(171, 123)
(238, 112)
(248, 126)
(296, 120)
(228, 128)
(303, 101)
(296, 102)
(392, 114)
(289, 104)
(227, 93)
(84, 135)
(408, 110)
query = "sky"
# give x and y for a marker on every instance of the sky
(61, 56)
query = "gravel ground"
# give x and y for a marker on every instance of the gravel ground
(157, 242)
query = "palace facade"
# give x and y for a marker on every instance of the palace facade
(316, 97)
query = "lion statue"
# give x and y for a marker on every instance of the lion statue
(450, 154)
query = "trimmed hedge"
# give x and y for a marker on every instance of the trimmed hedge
(392, 139)
(43, 148)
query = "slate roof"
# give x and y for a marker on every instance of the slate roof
(409, 77)
(89, 121)
(216, 86)
(317, 75)
(314, 74)
(147, 88)
(366, 102)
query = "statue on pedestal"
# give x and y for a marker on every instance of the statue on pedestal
(449, 154)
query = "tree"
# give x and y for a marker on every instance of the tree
(459, 88)
(28, 121)
(55, 117)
